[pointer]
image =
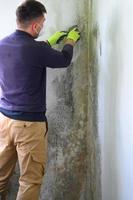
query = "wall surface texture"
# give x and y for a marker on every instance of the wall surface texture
(73, 168)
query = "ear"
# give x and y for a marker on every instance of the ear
(34, 26)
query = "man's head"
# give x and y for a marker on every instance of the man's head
(31, 17)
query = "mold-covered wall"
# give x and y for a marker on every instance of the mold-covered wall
(73, 170)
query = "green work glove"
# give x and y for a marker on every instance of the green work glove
(57, 37)
(74, 34)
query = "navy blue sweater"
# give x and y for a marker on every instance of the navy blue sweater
(23, 63)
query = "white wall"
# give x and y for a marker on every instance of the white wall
(7, 16)
(116, 98)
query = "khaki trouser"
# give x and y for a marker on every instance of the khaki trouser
(27, 142)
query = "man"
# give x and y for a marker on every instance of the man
(23, 62)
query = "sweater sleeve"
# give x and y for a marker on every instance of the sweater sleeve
(54, 58)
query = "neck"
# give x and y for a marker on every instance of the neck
(25, 30)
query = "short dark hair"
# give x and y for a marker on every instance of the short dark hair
(30, 10)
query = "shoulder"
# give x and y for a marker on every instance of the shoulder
(42, 44)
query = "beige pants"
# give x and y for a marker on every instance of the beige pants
(27, 142)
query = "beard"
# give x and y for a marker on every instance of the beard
(36, 36)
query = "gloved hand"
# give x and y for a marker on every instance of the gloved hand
(57, 37)
(74, 34)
